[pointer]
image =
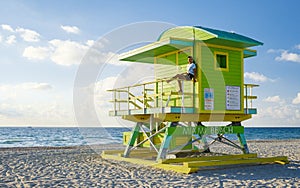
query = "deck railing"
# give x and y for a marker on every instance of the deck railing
(159, 94)
(248, 99)
(155, 94)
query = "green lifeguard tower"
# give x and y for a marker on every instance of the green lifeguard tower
(172, 126)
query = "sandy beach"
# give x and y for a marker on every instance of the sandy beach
(84, 167)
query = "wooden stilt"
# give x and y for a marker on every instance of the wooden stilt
(133, 137)
(162, 153)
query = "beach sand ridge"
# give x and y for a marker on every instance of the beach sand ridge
(83, 166)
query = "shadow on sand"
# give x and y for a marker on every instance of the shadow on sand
(258, 172)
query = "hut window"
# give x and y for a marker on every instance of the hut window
(221, 61)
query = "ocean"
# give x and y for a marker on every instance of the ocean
(58, 136)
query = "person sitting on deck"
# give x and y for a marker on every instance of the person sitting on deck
(190, 73)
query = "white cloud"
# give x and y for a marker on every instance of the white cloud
(276, 111)
(61, 52)
(275, 99)
(11, 39)
(297, 99)
(271, 51)
(256, 77)
(35, 103)
(28, 35)
(36, 86)
(280, 112)
(102, 104)
(98, 91)
(70, 29)
(287, 56)
(42, 113)
(105, 84)
(297, 114)
(8, 112)
(67, 52)
(39, 53)
(23, 91)
(25, 86)
(1, 38)
(102, 96)
(7, 27)
(90, 42)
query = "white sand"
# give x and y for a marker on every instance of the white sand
(83, 167)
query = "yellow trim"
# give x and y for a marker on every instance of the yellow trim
(173, 52)
(250, 97)
(204, 117)
(251, 85)
(176, 168)
(196, 164)
(223, 111)
(223, 47)
(131, 160)
(242, 82)
(148, 154)
(227, 60)
(176, 58)
(210, 158)
(167, 54)
(190, 165)
(199, 75)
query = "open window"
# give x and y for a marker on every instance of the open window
(221, 61)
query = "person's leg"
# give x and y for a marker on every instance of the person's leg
(184, 77)
(171, 79)
(180, 86)
(176, 77)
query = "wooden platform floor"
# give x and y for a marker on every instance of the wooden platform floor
(189, 165)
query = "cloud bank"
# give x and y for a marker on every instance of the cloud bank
(26, 35)
(70, 29)
(287, 55)
(255, 76)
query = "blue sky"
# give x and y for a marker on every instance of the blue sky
(42, 43)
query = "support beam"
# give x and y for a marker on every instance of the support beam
(243, 142)
(152, 126)
(133, 137)
(165, 144)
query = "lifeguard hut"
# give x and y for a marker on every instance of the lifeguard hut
(172, 128)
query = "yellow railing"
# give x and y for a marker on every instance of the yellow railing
(159, 94)
(248, 98)
(155, 94)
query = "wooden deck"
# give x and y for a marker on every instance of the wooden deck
(193, 164)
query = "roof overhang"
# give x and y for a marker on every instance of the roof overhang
(210, 36)
(231, 43)
(249, 53)
(147, 53)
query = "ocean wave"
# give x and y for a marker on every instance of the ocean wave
(10, 141)
(25, 137)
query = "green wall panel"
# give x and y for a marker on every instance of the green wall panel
(212, 77)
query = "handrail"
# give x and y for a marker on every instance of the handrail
(157, 94)
(248, 97)
(151, 93)
(136, 85)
